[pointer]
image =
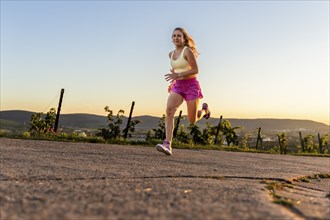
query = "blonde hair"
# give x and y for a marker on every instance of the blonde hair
(188, 40)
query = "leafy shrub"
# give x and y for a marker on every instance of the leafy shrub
(131, 127)
(43, 126)
(113, 131)
(229, 132)
(282, 143)
(182, 136)
(26, 134)
(309, 145)
(275, 149)
(323, 144)
(208, 134)
(244, 142)
(159, 133)
(196, 134)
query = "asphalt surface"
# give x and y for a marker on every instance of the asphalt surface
(62, 180)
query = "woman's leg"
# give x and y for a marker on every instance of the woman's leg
(193, 114)
(173, 102)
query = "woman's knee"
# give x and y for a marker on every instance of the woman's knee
(170, 111)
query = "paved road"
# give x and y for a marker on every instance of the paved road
(60, 180)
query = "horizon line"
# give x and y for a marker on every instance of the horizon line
(233, 118)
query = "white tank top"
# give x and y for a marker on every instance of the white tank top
(180, 64)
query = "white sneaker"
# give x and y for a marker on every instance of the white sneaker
(165, 147)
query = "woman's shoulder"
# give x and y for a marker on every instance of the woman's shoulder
(170, 53)
(188, 52)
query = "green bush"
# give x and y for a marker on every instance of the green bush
(26, 134)
(159, 133)
(182, 136)
(43, 127)
(113, 131)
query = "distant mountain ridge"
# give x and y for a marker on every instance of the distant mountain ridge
(20, 120)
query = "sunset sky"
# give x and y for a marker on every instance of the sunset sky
(258, 59)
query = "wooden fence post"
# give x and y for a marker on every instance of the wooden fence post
(218, 129)
(177, 125)
(129, 120)
(58, 111)
(258, 138)
(280, 144)
(302, 142)
(320, 144)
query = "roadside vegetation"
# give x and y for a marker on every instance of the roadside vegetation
(275, 187)
(219, 137)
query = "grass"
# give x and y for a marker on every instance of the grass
(272, 186)
(310, 154)
(313, 177)
(304, 179)
(277, 185)
(283, 201)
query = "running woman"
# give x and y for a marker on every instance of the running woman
(184, 85)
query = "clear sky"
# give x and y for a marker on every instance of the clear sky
(258, 59)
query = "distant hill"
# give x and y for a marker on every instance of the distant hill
(280, 124)
(69, 121)
(17, 120)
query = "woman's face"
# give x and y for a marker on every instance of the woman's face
(177, 38)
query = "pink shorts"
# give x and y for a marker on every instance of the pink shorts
(189, 89)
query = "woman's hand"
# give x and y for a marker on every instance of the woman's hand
(171, 76)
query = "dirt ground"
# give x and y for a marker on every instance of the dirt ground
(62, 180)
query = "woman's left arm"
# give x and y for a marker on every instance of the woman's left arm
(190, 57)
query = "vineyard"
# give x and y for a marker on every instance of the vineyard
(220, 136)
